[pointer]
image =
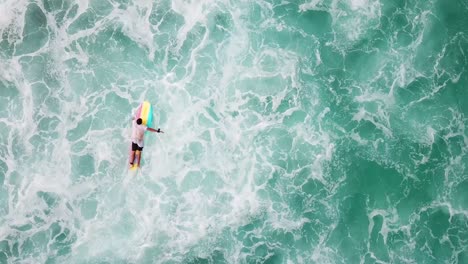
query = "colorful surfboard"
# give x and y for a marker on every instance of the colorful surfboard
(145, 112)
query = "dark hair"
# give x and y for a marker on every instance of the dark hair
(139, 121)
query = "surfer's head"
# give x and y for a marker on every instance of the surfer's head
(139, 121)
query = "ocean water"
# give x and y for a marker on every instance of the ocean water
(309, 131)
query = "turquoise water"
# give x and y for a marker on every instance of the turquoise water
(320, 131)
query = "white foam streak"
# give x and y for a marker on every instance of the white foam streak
(137, 26)
(11, 13)
(193, 12)
(351, 25)
(311, 6)
(376, 119)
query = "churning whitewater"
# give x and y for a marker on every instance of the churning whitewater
(310, 131)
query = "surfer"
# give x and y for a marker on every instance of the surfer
(138, 132)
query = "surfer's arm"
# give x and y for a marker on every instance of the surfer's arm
(155, 130)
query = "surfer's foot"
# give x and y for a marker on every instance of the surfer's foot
(131, 164)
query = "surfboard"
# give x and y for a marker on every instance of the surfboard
(145, 112)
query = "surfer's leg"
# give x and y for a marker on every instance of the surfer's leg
(132, 153)
(138, 155)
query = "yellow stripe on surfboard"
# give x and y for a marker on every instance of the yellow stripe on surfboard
(145, 108)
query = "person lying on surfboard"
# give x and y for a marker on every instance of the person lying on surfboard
(138, 133)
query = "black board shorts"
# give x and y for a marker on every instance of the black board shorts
(135, 147)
